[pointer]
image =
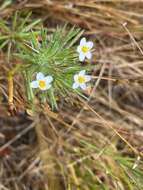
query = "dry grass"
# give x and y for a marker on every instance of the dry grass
(90, 145)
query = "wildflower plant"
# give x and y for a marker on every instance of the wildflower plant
(51, 66)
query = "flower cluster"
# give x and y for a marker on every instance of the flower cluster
(80, 79)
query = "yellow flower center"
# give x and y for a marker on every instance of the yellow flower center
(42, 84)
(85, 49)
(81, 79)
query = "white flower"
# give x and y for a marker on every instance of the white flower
(84, 49)
(80, 80)
(42, 82)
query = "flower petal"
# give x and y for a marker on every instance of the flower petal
(83, 86)
(42, 88)
(89, 45)
(40, 76)
(81, 73)
(81, 57)
(78, 49)
(83, 42)
(48, 86)
(88, 55)
(75, 85)
(75, 77)
(87, 78)
(48, 79)
(34, 84)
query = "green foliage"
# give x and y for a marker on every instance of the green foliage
(53, 55)
(14, 31)
(106, 168)
(5, 4)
